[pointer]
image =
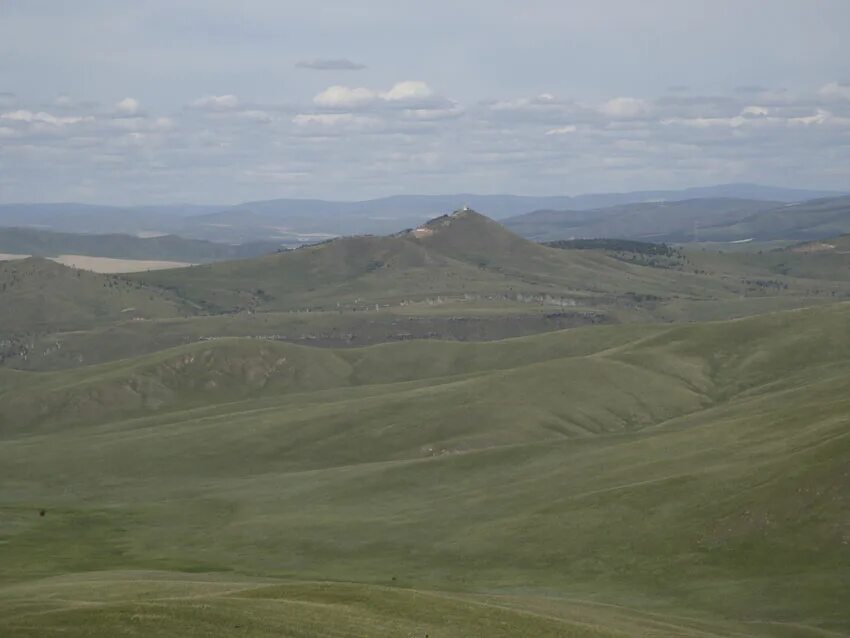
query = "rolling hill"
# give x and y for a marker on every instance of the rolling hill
(39, 295)
(718, 220)
(298, 221)
(458, 277)
(42, 243)
(454, 255)
(840, 244)
(652, 221)
(684, 480)
(809, 220)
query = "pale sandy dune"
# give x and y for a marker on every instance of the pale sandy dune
(106, 264)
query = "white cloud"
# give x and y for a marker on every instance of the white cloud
(706, 122)
(217, 103)
(758, 111)
(408, 90)
(525, 103)
(835, 90)
(819, 117)
(433, 114)
(330, 119)
(137, 124)
(457, 146)
(562, 130)
(41, 117)
(345, 97)
(127, 106)
(625, 107)
(410, 93)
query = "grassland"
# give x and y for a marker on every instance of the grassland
(461, 277)
(685, 480)
(150, 246)
(39, 296)
(178, 457)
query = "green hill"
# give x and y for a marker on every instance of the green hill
(840, 244)
(809, 220)
(43, 243)
(685, 480)
(39, 295)
(648, 221)
(459, 277)
(707, 219)
(457, 256)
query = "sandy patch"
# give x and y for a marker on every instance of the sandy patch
(813, 247)
(110, 265)
(11, 256)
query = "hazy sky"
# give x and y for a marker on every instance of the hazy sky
(211, 101)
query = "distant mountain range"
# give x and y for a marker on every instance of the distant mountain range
(707, 219)
(298, 221)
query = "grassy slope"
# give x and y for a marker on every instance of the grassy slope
(670, 220)
(43, 243)
(814, 219)
(466, 254)
(710, 219)
(468, 280)
(39, 295)
(690, 472)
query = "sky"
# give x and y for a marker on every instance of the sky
(212, 101)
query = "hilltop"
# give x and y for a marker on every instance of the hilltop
(454, 255)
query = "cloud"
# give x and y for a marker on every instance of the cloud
(142, 124)
(409, 90)
(625, 107)
(220, 146)
(329, 125)
(757, 111)
(345, 97)
(330, 64)
(216, 103)
(562, 130)
(411, 94)
(41, 117)
(325, 119)
(127, 106)
(835, 90)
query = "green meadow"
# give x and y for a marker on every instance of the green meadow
(603, 481)
(448, 432)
